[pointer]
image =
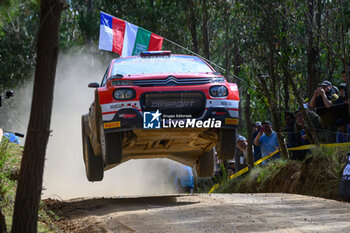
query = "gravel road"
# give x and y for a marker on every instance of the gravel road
(203, 213)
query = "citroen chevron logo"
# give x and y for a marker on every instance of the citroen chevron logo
(171, 81)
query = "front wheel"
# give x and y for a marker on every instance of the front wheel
(205, 164)
(227, 144)
(111, 144)
(93, 164)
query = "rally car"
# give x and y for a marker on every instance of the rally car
(160, 105)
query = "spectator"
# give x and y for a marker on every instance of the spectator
(231, 167)
(242, 152)
(341, 110)
(344, 76)
(302, 126)
(323, 97)
(267, 140)
(257, 152)
(293, 137)
(327, 103)
(343, 92)
(343, 131)
(184, 179)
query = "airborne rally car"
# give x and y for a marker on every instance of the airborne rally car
(160, 105)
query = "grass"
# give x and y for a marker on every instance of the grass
(10, 162)
(318, 175)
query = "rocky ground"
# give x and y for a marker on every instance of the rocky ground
(203, 213)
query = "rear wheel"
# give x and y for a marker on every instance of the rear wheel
(111, 144)
(93, 164)
(205, 164)
(227, 144)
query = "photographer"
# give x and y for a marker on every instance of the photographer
(325, 101)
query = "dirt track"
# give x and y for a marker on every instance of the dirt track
(204, 213)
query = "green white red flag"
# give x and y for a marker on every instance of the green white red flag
(126, 39)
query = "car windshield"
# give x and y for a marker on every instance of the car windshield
(153, 65)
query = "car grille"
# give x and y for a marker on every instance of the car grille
(172, 103)
(171, 81)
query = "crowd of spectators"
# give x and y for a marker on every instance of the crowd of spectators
(328, 117)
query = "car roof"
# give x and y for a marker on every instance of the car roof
(172, 56)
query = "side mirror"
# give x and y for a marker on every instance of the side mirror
(94, 85)
(116, 76)
(9, 94)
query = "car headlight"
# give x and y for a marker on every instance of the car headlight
(218, 80)
(122, 82)
(124, 94)
(218, 91)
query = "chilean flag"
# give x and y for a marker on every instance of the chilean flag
(126, 39)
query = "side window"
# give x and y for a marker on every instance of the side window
(104, 78)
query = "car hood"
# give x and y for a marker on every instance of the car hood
(165, 75)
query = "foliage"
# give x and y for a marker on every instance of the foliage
(318, 175)
(6, 184)
(10, 160)
(18, 26)
(244, 37)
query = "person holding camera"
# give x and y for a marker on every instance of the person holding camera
(326, 103)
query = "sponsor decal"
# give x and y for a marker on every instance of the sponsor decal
(172, 104)
(191, 123)
(151, 120)
(231, 121)
(110, 125)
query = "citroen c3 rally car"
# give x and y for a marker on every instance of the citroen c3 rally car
(160, 105)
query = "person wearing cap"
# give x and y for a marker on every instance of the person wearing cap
(257, 153)
(343, 131)
(242, 153)
(267, 140)
(324, 97)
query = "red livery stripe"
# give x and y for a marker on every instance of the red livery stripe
(118, 35)
(105, 113)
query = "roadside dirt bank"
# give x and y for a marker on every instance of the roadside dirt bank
(273, 212)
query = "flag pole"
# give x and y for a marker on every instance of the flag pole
(235, 76)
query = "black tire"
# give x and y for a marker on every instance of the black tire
(111, 144)
(93, 164)
(227, 144)
(205, 164)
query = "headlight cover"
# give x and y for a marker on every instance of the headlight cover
(124, 94)
(218, 91)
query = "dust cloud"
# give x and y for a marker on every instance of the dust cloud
(64, 173)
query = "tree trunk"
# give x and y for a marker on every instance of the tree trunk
(90, 12)
(310, 131)
(275, 117)
(192, 22)
(250, 159)
(345, 60)
(312, 52)
(29, 188)
(2, 223)
(205, 30)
